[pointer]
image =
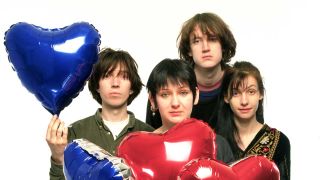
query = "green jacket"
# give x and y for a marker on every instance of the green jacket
(93, 129)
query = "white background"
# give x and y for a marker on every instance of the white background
(280, 37)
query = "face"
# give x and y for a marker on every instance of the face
(115, 88)
(245, 100)
(205, 50)
(174, 103)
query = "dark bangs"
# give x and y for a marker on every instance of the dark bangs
(110, 64)
(237, 80)
(175, 71)
(108, 61)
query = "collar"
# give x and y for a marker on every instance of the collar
(99, 120)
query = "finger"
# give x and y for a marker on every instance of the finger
(65, 134)
(60, 129)
(54, 128)
(48, 135)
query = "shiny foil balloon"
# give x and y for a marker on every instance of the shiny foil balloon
(53, 64)
(162, 156)
(250, 168)
(85, 160)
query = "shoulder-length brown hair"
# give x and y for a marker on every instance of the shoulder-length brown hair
(107, 62)
(208, 23)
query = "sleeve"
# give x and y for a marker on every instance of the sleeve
(147, 127)
(285, 163)
(71, 133)
(56, 171)
(224, 152)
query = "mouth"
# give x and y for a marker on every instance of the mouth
(175, 113)
(206, 57)
(115, 94)
(245, 110)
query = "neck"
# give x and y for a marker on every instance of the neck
(208, 77)
(247, 126)
(116, 114)
(164, 128)
(247, 130)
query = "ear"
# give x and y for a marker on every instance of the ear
(261, 97)
(98, 91)
(196, 99)
(130, 92)
(190, 54)
(152, 101)
(226, 99)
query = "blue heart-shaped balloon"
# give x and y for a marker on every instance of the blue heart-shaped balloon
(85, 160)
(53, 64)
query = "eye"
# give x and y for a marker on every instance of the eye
(213, 38)
(107, 75)
(123, 75)
(195, 40)
(164, 94)
(184, 92)
(235, 93)
(252, 91)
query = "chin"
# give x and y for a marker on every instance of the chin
(176, 121)
(245, 117)
(118, 104)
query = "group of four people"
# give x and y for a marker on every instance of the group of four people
(200, 85)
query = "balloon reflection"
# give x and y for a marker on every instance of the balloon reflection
(70, 46)
(174, 152)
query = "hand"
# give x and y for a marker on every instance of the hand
(56, 138)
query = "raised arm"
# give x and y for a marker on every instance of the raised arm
(56, 138)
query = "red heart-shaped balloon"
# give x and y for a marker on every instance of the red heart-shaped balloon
(250, 168)
(162, 156)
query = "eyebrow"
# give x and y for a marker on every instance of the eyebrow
(120, 71)
(195, 37)
(252, 85)
(180, 86)
(246, 87)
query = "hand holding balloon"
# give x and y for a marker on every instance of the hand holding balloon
(53, 64)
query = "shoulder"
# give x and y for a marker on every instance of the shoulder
(83, 122)
(283, 142)
(143, 125)
(82, 128)
(138, 125)
(221, 141)
(283, 139)
(224, 151)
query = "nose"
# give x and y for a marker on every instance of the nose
(205, 45)
(244, 99)
(175, 101)
(115, 82)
